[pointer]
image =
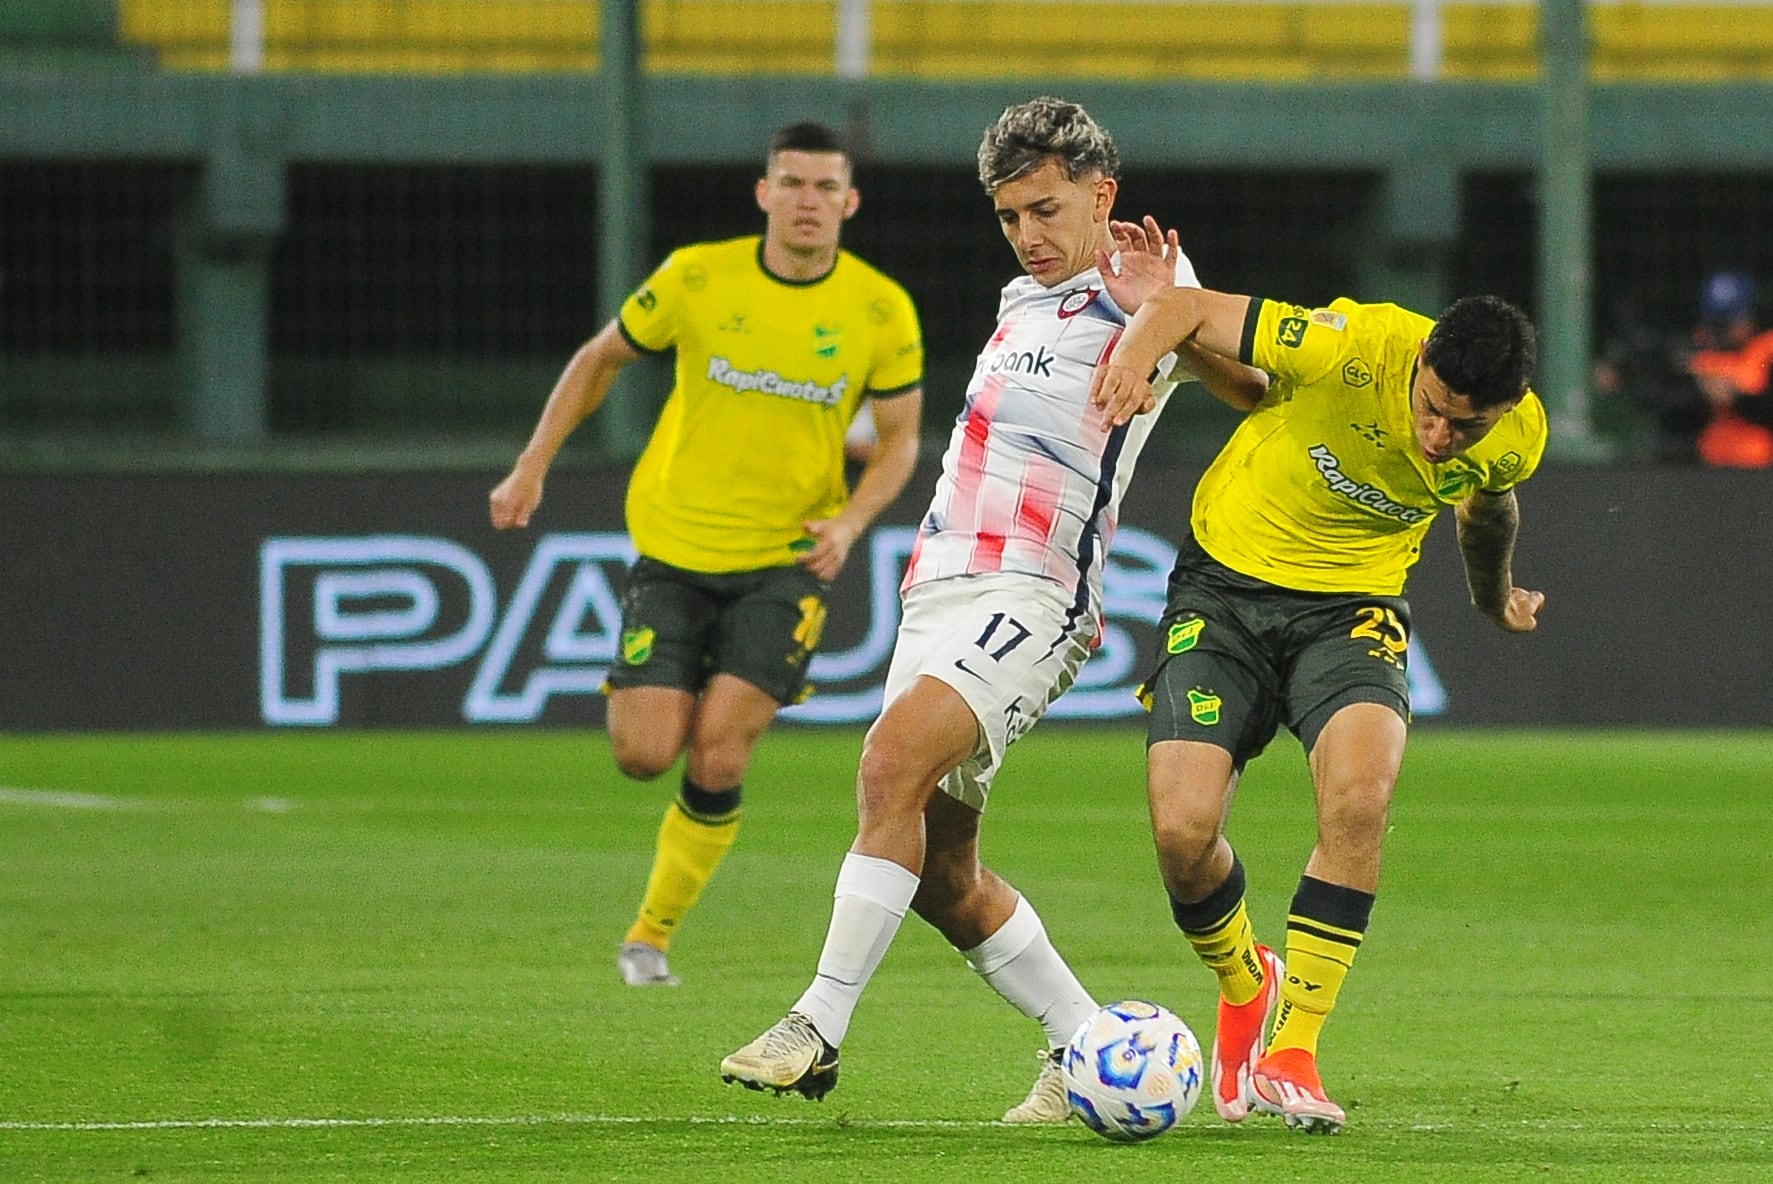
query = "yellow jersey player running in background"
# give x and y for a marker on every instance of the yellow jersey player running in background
(738, 507)
(1286, 607)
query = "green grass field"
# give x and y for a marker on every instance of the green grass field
(300, 957)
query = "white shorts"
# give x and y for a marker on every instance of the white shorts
(1008, 643)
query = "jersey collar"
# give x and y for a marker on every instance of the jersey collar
(784, 280)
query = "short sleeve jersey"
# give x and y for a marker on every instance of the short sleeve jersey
(769, 374)
(1321, 488)
(1031, 482)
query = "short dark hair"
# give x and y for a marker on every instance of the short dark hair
(809, 137)
(1484, 349)
(1028, 134)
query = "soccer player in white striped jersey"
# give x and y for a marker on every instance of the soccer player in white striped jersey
(1002, 600)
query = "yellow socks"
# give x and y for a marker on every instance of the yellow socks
(693, 838)
(1324, 930)
(1219, 930)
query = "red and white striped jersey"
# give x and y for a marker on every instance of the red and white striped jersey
(1030, 483)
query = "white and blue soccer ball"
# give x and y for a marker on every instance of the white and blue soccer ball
(1132, 1071)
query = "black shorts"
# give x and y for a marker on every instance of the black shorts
(1242, 656)
(680, 628)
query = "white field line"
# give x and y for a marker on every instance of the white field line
(445, 1120)
(65, 799)
(837, 1119)
(62, 799)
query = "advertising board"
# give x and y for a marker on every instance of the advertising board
(279, 601)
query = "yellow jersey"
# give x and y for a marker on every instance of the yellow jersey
(1322, 488)
(769, 374)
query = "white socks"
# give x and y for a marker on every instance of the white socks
(1018, 960)
(872, 896)
(1021, 964)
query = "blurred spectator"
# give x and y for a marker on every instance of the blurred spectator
(1702, 395)
(1646, 369)
(1731, 362)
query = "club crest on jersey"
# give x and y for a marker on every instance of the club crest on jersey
(826, 339)
(637, 645)
(1203, 706)
(1076, 301)
(1183, 635)
(1454, 485)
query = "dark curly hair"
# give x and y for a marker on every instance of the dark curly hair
(1483, 348)
(1027, 134)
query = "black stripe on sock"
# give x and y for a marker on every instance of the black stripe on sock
(708, 805)
(1339, 940)
(1332, 904)
(1204, 916)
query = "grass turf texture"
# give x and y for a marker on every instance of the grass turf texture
(300, 957)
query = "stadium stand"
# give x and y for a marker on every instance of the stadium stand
(950, 39)
(63, 34)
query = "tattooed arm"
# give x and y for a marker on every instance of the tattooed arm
(1487, 524)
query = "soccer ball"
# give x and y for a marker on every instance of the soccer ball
(1132, 1071)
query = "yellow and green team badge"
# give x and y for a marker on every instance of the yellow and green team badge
(1204, 706)
(1183, 635)
(637, 645)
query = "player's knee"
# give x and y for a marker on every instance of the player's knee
(889, 780)
(1354, 812)
(642, 757)
(721, 742)
(1186, 846)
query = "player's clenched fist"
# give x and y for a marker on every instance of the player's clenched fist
(514, 499)
(1521, 612)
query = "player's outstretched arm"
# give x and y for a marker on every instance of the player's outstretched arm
(1488, 523)
(1226, 379)
(897, 423)
(577, 393)
(1212, 320)
(1148, 257)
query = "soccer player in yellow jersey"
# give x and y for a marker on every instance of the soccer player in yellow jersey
(1286, 607)
(738, 507)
